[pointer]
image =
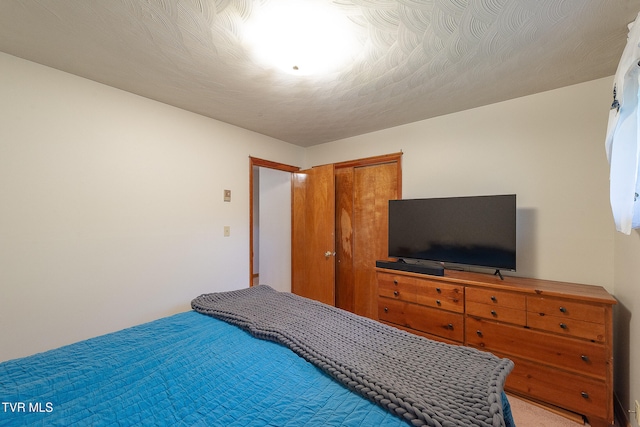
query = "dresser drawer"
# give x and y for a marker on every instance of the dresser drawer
(397, 287)
(496, 312)
(423, 334)
(567, 326)
(575, 355)
(440, 295)
(498, 298)
(566, 317)
(566, 309)
(570, 391)
(433, 321)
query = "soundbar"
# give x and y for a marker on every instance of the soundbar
(432, 269)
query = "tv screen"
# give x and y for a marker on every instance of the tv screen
(475, 231)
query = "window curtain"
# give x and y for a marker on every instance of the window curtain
(622, 141)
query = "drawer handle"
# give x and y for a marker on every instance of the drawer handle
(493, 298)
(396, 293)
(564, 326)
(395, 282)
(438, 302)
(450, 326)
(585, 358)
(584, 394)
(386, 309)
(563, 310)
(438, 290)
(493, 313)
(479, 333)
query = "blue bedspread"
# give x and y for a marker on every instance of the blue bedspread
(187, 369)
(184, 370)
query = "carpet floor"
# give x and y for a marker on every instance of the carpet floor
(526, 414)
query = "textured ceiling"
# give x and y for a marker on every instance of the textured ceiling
(419, 58)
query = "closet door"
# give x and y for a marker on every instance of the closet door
(362, 198)
(344, 239)
(313, 234)
(373, 188)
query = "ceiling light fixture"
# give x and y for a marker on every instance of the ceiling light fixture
(301, 37)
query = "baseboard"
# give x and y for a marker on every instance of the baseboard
(620, 413)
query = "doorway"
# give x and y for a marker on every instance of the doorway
(270, 223)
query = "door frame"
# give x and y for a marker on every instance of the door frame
(375, 160)
(257, 162)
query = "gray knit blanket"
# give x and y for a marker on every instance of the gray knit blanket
(423, 381)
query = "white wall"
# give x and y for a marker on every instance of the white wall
(547, 148)
(256, 220)
(627, 324)
(112, 208)
(275, 229)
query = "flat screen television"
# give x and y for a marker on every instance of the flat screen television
(475, 231)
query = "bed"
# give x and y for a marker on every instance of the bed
(256, 357)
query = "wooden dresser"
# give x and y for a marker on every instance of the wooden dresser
(559, 335)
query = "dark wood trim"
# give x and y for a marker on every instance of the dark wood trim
(272, 165)
(375, 160)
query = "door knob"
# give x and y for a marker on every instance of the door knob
(329, 253)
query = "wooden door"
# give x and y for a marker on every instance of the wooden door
(363, 191)
(313, 234)
(374, 186)
(344, 239)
